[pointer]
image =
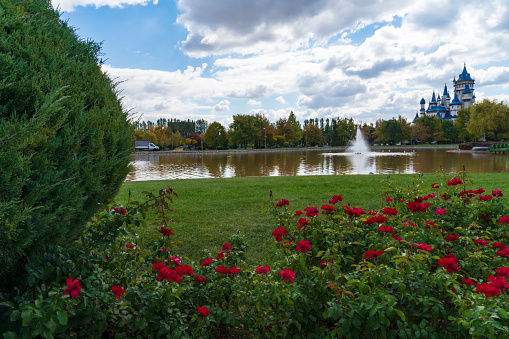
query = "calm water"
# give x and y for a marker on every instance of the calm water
(309, 162)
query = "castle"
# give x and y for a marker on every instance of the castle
(443, 107)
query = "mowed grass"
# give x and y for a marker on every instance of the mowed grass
(211, 210)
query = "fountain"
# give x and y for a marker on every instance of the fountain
(359, 145)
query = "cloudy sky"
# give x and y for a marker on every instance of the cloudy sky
(366, 59)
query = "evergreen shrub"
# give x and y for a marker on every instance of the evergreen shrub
(65, 138)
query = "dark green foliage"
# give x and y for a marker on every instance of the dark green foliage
(64, 138)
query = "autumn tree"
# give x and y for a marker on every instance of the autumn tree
(243, 131)
(312, 135)
(488, 117)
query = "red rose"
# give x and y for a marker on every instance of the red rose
(328, 209)
(165, 231)
(302, 222)
(435, 185)
(283, 202)
(335, 199)
(430, 223)
(353, 211)
(499, 245)
(373, 254)
(380, 219)
(232, 270)
(227, 246)
(203, 311)
(470, 282)
(387, 229)
(424, 247)
(390, 211)
(504, 253)
(262, 270)
(298, 213)
(221, 269)
(451, 237)
(481, 242)
(279, 233)
(220, 256)
(200, 279)
(287, 274)
(450, 263)
(118, 290)
(303, 246)
(504, 220)
(497, 193)
(454, 182)
(488, 290)
(73, 288)
(311, 211)
(206, 262)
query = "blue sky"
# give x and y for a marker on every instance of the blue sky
(365, 59)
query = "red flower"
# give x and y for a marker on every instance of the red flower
(504, 220)
(454, 182)
(498, 282)
(398, 238)
(232, 270)
(485, 217)
(169, 274)
(451, 237)
(118, 290)
(378, 219)
(439, 211)
(389, 199)
(497, 193)
(390, 211)
(435, 185)
(430, 223)
(287, 274)
(450, 263)
(221, 269)
(424, 247)
(484, 197)
(499, 245)
(488, 290)
(504, 253)
(165, 231)
(73, 288)
(129, 246)
(470, 282)
(157, 266)
(373, 254)
(327, 209)
(503, 271)
(311, 211)
(298, 213)
(283, 202)
(121, 210)
(203, 311)
(479, 191)
(409, 224)
(220, 256)
(387, 229)
(227, 246)
(279, 233)
(262, 270)
(417, 206)
(184, 270)
(206, 262)
(481, 242)
(353, 211)
(335, 199)
(324, 263)
(302, 222)
(444, 196)
(200, 279)
(303, 246)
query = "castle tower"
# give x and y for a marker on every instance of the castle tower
(464, 88)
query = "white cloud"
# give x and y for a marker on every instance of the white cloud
(252, 102)
(221, 107)
(281, 100)
(70, 5)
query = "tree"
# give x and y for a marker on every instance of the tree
(285, 130)
(65, 140)
(419, 132)
(242, 130)
(488, 117)
(461, 123)
(344, 131)
(312, 135)
(450, 131)
(296, 136)
(215, 136)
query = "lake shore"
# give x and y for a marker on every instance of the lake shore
(296, 149)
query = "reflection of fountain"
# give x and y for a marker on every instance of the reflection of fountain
(359, 145)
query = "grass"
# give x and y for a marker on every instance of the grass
(211, 210)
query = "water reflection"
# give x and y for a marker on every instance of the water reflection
(310, 162)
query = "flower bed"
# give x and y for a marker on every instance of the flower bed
(432, 261)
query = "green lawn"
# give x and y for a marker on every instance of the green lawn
(211, 210)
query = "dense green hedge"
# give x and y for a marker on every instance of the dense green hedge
(64, 136)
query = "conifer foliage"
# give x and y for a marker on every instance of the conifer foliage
(65, 139)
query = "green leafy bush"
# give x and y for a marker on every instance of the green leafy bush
(431, 262)
(64, 136)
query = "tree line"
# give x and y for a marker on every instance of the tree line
(487, 119)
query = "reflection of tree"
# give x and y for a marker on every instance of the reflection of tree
(398, 164)
(215, 164)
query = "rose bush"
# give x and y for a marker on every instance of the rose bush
(402, 271)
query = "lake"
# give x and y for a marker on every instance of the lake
(322, 161)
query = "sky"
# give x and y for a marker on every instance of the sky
(362, 59)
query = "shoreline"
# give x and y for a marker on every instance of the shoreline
(296, 149)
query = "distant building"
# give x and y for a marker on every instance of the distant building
(442, 107)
